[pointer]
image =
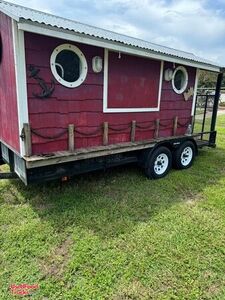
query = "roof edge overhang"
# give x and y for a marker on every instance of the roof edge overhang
(66, 34)
(9, 14)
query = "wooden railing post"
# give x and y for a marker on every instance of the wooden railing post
(192, 122)
(27, 139)
(157, 123)
(105, 133)
(175, 126)
(71, 137)
(133, 129)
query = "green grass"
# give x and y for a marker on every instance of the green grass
(117, 235)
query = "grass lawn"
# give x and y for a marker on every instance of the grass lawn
(117, 235)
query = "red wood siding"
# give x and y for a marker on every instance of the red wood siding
(83, 106)
(9, 128)
(133, 82)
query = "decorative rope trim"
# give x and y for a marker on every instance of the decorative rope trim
(183, 124)
(151, 126)
(166, 125)
(119, 129)
(92, 133)
(47, 137)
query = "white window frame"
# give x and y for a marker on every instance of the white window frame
(184, 70)
(83, 65)
(124, 110)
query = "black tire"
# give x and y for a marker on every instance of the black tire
(156, 170)
(179, 160)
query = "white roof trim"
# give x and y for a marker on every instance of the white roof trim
(27, 16)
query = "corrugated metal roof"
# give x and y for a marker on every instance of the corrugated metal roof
(21, 13)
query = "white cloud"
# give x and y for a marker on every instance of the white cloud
(192, 25)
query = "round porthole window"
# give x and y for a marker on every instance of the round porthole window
(68, 65)
(180, 80)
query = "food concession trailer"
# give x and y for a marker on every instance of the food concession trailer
(76, 98)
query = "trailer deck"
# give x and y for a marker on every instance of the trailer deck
(93, 152)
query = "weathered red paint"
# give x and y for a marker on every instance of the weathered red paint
(83, 106)
(9, 129)
(132, 81)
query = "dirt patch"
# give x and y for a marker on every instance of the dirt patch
(134, 291)
(56, 262)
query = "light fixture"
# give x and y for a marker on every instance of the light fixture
(168, 74)
(97, 64)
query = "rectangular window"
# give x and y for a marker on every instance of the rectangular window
(131, 83)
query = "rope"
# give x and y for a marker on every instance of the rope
(119, 129)
(183, 124)
(165, 125)
(92, 133)
(151, 126)
(48, 137)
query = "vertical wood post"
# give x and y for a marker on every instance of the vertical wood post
(27, 139)
(192, 123)
(71, 137)
(175, 125)
(157, 122)
(105, 133)
(133, 129)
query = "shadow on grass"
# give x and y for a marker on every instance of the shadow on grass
(111, 203)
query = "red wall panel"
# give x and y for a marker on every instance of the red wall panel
(83, 106)
(9, 128)
(133, 82)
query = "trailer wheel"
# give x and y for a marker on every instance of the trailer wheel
(184, 156)
(159, 163)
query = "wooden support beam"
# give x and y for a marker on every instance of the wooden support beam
(157, 123)
(175, 126)
(71, 137)
(105, 133)
(133, 129)
(193, 122)
(27, 139)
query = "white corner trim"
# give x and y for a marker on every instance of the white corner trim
(160, 83)
(195, 92)
(21, 82)
(124, 110)
(105, 82)
(98, 42)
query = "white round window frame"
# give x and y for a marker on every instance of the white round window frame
(185, 81)
(83, 67)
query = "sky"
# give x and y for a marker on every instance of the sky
(196, 26)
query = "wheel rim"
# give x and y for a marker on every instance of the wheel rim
(161, 164)
(186, 156)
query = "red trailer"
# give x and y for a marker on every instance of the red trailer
(75, 98)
